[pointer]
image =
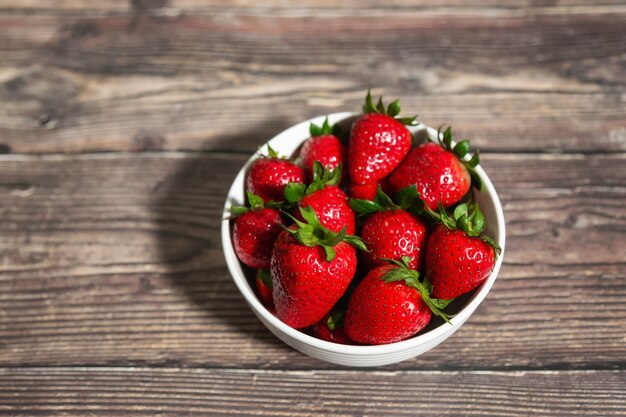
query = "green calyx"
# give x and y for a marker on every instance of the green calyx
(255, 203)
(335, 321)
(324, 129)
(392, 109)
(468, 218)
(407, 199)
(420, 282)
(461, 151)
(295, 191)
(312, 233)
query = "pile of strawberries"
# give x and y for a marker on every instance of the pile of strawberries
(374, 267)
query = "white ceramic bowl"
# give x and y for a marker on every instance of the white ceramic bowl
(287, 143)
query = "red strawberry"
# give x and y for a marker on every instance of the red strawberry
(437, 172)
(323, 196)
(390, 305)
(268, 176)
(458, 257)
(378, 142)
(324, 147)
(363, 191)
(311, 269)
(263, 284)
(254, 231)
(330, 328)
(391, 232)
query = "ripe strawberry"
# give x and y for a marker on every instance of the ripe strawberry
(378, 142)
(326, 198)
(390, 231)
(311, 269)
(254, 231)
(363, 191)
(330, 328)
(437, 172)
(324, 147)
(268, 176)
(458, 257)
(263, 284)
(389, 305)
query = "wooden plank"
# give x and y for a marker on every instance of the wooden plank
(116, 259)
(160, 7)
(186, 392)
(73, 84)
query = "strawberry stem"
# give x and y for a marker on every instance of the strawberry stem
(324, 129)
(461, 150)
(296, 191)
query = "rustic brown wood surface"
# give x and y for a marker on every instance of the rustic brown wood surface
(122, 124)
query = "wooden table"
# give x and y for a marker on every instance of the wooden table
(123, 123)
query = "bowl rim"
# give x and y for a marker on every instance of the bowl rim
(246, 290)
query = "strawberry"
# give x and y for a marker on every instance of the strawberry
(363, 191)
(378, 142)
(263, 284)
(390, 304)
(326, 198)
(438, 172)
(390, 231)
(330, 328)
(254, 231)
(268, 176)
(324, 147)
(458, 257)
(311, 269)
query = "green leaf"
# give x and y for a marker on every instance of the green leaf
(441, 304)
(294, 192)
(363, 207)
(336, 320)
(254, 200)
(462, 148)
(310, 216)
(357, 242)
(330, 253)
(383, 199)
(408, 121)
(394, 108)
(492, 243)
(476, 181)
(369, 107)
(460, 210)
(447, 138)
(239, 210)
(396, 274)
(315, 130)
(406, 260)
(474, 161)
(271, 151)
(333, 239)
(380, 107)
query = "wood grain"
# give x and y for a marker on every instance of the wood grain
(533, 81)
(149, 392)
(116, 259)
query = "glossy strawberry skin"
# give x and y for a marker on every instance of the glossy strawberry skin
(363, 191)
(393, 234)
(254, 234)
(322, 331)
(264, 291)
(306, 285)
(380, 312)
(327, 150)
(456, 263)
(378, 143)
(332, 208)
(268, 177)
(438, 174)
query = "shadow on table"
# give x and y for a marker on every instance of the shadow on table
(188, 209)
